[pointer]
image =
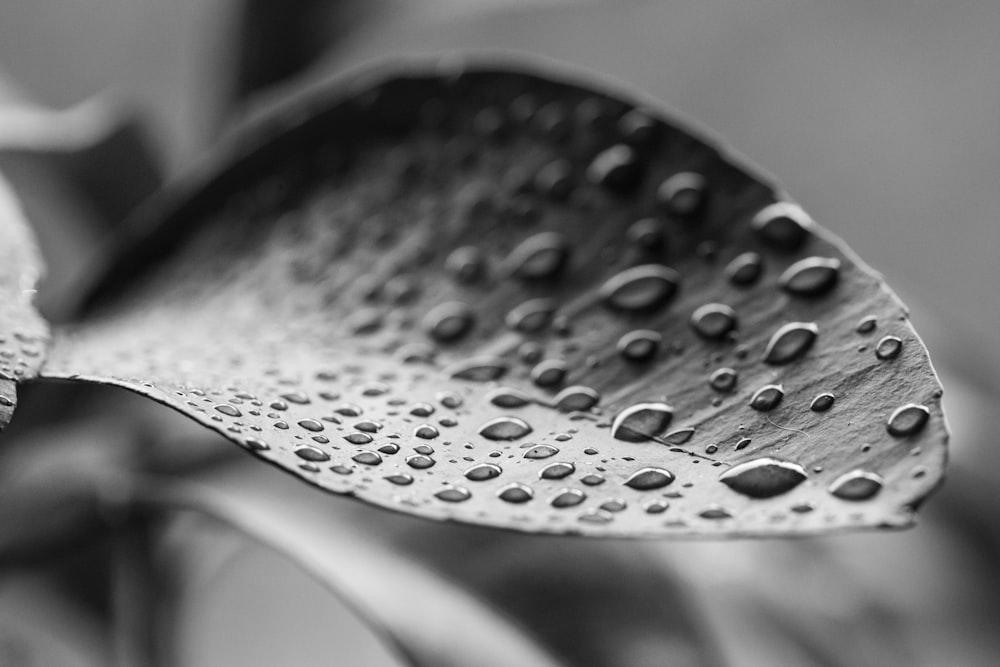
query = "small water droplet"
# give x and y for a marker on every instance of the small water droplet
(782, 225)
(713, 320)
(449, 399)
(617, 168)
(454, 494)
(641, 421)
(715, 512)
(422, 410)
(593, 479)
(577, 399)
(466, 264)
(723, 380)
(541, 452)
(614, 505)
(648, 234)
(555, 180)
(888, 348)
(400, 479)
(767, 397)
(516, 493)
(639, 345)
(857, 485)
(683, 194)
(908, 419)
(368, 426)
(596, 516)
(297, 397)
(822, 402)
(310, 453)
(228, 410)
(358, 438)
(483, 471)
(649, 479)
(568, 498)
(679, 437)
(505, 428)
(867, 324)
(348, 410)
(640, 288)
(745, 269)
(256, 444)
(557, 470)
(426, 431)
(742, 444)
(531, 316)
(367, 458)
(539, 257)
(311, 425)
(790, 342)
(549, 372)
(764, 478)
(420, 461)
(478, 369)
(812, 276)
(450, 321)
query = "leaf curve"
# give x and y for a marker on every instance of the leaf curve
(492, 294)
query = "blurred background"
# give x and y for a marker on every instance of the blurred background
(883, 120)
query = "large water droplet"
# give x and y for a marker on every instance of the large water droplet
(907, 420)
(577, 398)
(358, 438)
(678, 437)
(426, 432)
(541, 452)
(228, 410)
(713, 320)
(782, 225)
(516, 493)
(745, 269)
(367, 458)
(642, 421)
(557, 470)
(450, 321)
(764, 478)
(822, 402)
(505, 428)
(790, 342)
(812, 276)
(548, 372)
(639, 345)
(311, 425)
(857, 485)
(539, 257)
(888, 348)
(483, 471)
(640, 288)
(767, 397)
(420, 461)
(454, 494)
(400, 479)
(531, 316)
(649, 479)
(310, 453)
(568, 498)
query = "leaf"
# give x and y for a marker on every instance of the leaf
(23, 333)
(364, 287)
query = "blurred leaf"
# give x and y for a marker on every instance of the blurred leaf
(681, 347)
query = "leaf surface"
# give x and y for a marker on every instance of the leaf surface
(518, 297)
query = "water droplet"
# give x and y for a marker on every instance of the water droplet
(577, 398)
(477, 369)
(541, 452)
(358, 438)
(743, 443)
(531, 316)
(614, 505)
(683, 194)
(483, 471)
(450, 321)
(745, 269)
(640, 288)
(656, 507)
(593, 479)
(256, 444)
(679, 437)
(715, 512)
(426, 431)
(648, 234)
(812, 276)
(557, 470)
(228, 410)
(505, 428)
(617, 168)
(764, 477)
(311, 425)
(422, 410)
(400, 479)
(767, 397)
(713, 320)
(368, 426)
(867, 324)
(539, 257)
(888, 348)
(389, 448)
(367, 458)
(639, 345)
(907, 420)
(310, 453)
(782, 225)
(649, 479)
(555, 180)
(549, 372)
(790, 342)
(822, 402)
(641, 421)
(723, 379)
(568, 498)
(449, 399)
(857, 485)
(516, 493)
(596, 516)
(420, 461)
(466, 264)
(454, 494)
(348, 410)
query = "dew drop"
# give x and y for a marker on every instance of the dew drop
(228, 410)
(593, 479)
(422, 410)
(568, 498)
(420, 461)
(767, 397)
(857, 485)
(577, 399)
(368, 426)
(649, 479)
(641, 421)
(539, 257)
(348, 410)
(483, 471)
(764, 478)
(715, 512)
(782, 225)
(358, 438)
(516, 493)
(311, 425)
(400, 479)
(656, 507)
(466, 264)
(640, 288)
(617, 168)
(449, 399)
(683, 194)
(367, 458)
(745, 269)
(548, 372)
(812, 276)
(449, 321)
(256, 444)
(477, 369)
(557, 470)
(639, 345)
(541, 452)
(678, 437)
(867, 324)
(614, 505)
(426, 431)
(888, 348)
(907, 420)
(713, 320)
(505, 428)
(648, 234)
(596, 516)
(453, 494)
(822, 402)
(723, 380)
(790, 342)
(310, 453)
(531, 316)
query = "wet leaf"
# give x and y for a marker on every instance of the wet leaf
(357, 257)
(23, 333)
